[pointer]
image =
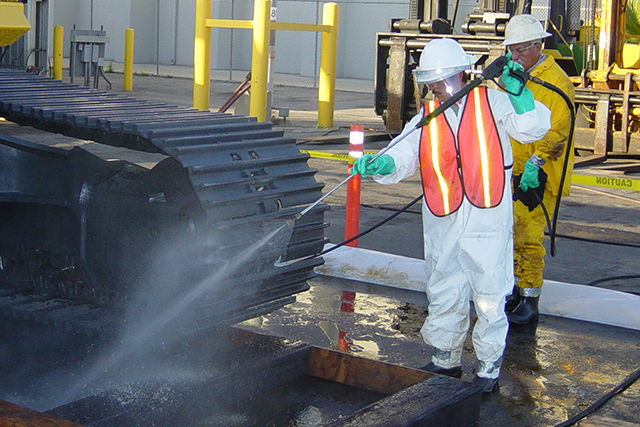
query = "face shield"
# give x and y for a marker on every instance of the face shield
(441, 89)
(437, 74)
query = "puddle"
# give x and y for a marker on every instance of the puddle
(550, 372)
(371, 326)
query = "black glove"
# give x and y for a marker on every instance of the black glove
(533, 196)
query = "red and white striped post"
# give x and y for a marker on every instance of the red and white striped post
(352, 219)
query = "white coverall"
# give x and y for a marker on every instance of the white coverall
(469, 254)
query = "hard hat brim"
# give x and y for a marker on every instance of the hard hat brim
(432, 76)
(539, 36)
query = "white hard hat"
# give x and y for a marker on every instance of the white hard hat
(442, 58)
(523, 28)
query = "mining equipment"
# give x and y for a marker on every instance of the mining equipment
(597, 44)
(109, 198)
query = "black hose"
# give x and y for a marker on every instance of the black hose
(553, 225)
(101, 72)
(545, 212)
(607, 279)
(368, 230)
(601, 242)
(633, 377)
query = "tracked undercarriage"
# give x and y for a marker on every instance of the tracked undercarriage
(115, 202)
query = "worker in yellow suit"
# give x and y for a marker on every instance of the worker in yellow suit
(537, 167)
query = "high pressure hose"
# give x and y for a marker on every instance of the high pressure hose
(492, 71)
(634, 376)
(552, 226)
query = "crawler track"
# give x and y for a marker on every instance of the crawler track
(79, 223)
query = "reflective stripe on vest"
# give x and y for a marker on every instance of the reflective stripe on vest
(474, 167)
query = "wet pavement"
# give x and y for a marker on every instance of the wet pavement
(552, 371)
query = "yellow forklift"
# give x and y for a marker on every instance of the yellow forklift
(596, 44)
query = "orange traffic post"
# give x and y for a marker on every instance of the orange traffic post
(352, 220)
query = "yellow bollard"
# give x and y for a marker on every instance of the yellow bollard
(127, 82)
(202, 56)
(58, 38)
(260, 59)
(328, 55)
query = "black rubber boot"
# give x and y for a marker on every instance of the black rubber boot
(485, 385)
(512, 301)
(526, 312)
(455, 372)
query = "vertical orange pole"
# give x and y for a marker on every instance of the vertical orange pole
(352, 220)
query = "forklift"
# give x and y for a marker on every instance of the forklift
(598, 46)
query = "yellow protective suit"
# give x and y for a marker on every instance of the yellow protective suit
(528, 228)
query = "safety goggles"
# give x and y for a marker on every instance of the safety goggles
(522, 49)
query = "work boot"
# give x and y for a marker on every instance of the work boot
(512, 301)
(485, 385)
(455, 372)
(526, 312)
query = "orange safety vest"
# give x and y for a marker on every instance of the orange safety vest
(472, 167)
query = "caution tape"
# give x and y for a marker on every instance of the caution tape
(336, 156)
(325, 155)
(594, 181)
(605, 181)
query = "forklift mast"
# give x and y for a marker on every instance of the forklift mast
(397, 97)
(597, 43)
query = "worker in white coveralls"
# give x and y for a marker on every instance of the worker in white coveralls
(464, 156)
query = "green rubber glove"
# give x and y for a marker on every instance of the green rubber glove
(511, 83)
(529, 178)
(522, 103)
(383, 165)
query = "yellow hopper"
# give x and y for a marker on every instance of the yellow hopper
(13, 23)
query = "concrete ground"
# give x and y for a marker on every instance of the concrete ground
(550, 372)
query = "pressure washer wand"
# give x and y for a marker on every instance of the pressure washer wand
(380, 153)
(491, 71)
